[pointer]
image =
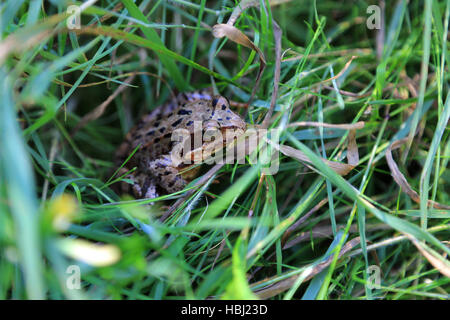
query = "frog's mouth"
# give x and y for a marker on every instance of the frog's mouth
(236, 123)
(233, 128)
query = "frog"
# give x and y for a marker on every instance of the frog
(151, 168)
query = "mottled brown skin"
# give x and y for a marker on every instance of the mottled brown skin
(155, 173)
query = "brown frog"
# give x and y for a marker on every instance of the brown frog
(156, 172)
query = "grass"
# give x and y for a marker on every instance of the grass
(306, 232)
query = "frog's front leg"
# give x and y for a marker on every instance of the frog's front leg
(167, 176)
(143, 187)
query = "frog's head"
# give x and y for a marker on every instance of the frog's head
(220, 116)
(216, 117)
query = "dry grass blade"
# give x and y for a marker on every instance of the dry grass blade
(30, 36)
(93, 84)
(348, 93)
(360, 52)
(228, 30)
(22, 40)
(284, 285)
(345, 126)
(442, 265)
(338, 167)
(352, 148)
(400, 178)
(327, 232)
(236, 35)
(339, 74)
(51, 158)
(289, 231)
(107, 16)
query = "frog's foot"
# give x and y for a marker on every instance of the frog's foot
(143, 187)
(168, 177)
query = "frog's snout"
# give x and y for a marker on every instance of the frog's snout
(238, 123)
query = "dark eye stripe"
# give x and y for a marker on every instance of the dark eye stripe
(177, 122)
(183, 112)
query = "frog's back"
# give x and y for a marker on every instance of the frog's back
(153, 132)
